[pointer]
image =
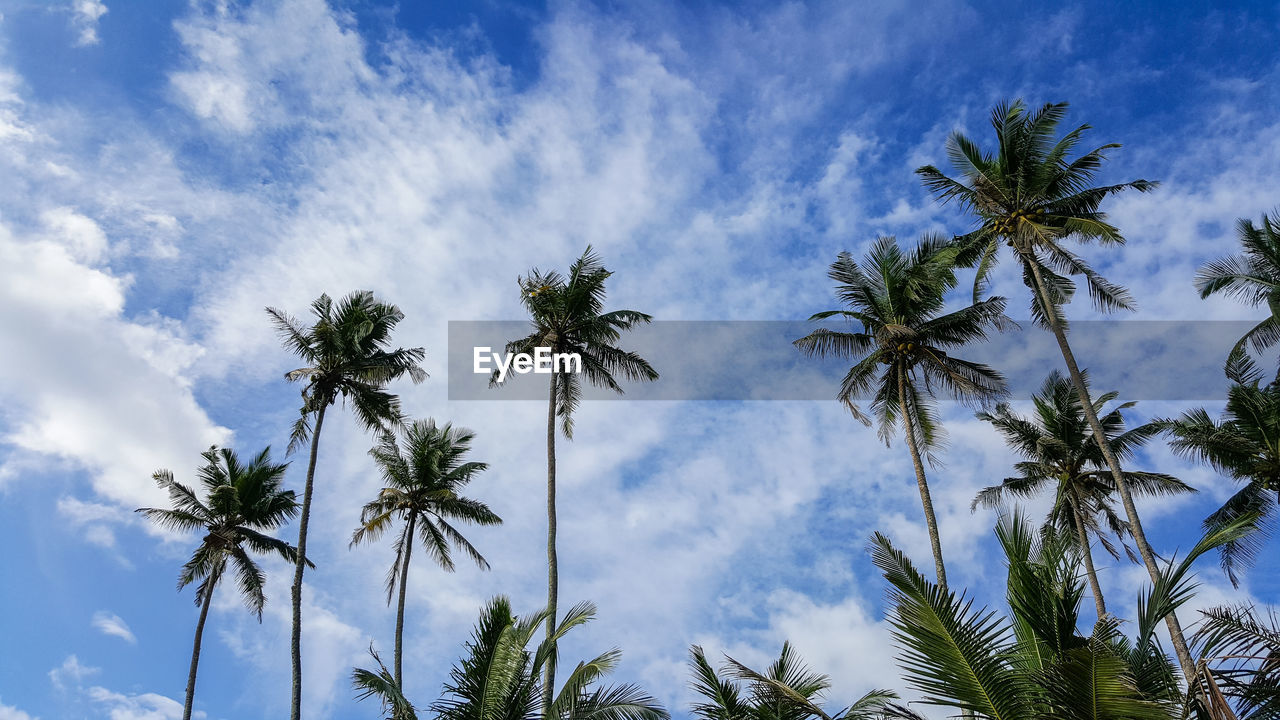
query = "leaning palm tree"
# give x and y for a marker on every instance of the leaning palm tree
(1244, 445)
(1060, 454)
(1033, 198)
(786, 690)
(242, 502)
(1253, 277)
(1035, 663)
(902, 350)
(500, 677)
(348, 355)
(424, 480)
(569, 319)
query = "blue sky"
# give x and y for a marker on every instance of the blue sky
(170, 169)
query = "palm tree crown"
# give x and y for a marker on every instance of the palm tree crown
(1253, 277)
(499, 677)
(242, 503)
(898, 298)
(569, 317)
(786, 690)
(1245, 446)
(347, 354)
(1061, 453)
(424, 474)
(1033, 196)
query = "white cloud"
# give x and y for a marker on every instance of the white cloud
(71, 673)
(111, 624)
(85, 15)
(143, 706)
(9, 712)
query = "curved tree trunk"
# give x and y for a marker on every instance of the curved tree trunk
(1086, 552)
(195, 650)
(295, 639)
(929, 519)
(404, 583)
(553, 574)
(1135, 522)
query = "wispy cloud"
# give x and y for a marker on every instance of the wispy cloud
(71, 673)
(111, 624)
(85, 15)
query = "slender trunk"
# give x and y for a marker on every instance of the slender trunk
(1076, 510)
(553, 576)
(404, 583)
(1126, 498)
(295, 639)
(195, 650)
(921, 482)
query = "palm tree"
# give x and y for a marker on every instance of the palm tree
(1033, 198)
(786, 690)
(1060, 453)
(423, 485)
(241, 503)
(1253, 277)
(569, 318)
(499, 677)
(1244, 445)
(902, 348)
(1035, 663)
(347, 354)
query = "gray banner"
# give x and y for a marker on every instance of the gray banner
(755, 360)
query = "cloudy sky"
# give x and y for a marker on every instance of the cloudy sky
(171, 169)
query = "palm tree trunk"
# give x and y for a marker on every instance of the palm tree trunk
(1083, 536)
(295, 639)
(404, 583)
(553, 576)
(1135, 522)
(195, 650)
(921, 482)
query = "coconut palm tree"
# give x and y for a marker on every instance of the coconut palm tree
(347, 354)
(902, 349)
(242, 502)
(1032, 197)
(786, 690)
(1035, 663)
(423, 481)
(1244, 445)
(500, 677)
(1060, 454)
(1253, 277)
(569, 318)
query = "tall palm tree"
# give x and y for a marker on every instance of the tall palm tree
(1035, 663)
(1031, 196)
(1244, 445)
(347, 355)
(1253, 277)
(423, 486)
(242, 502)
(569, 318)
(786, 690)
(500, 677)
(902, 350)
(1061, 454)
